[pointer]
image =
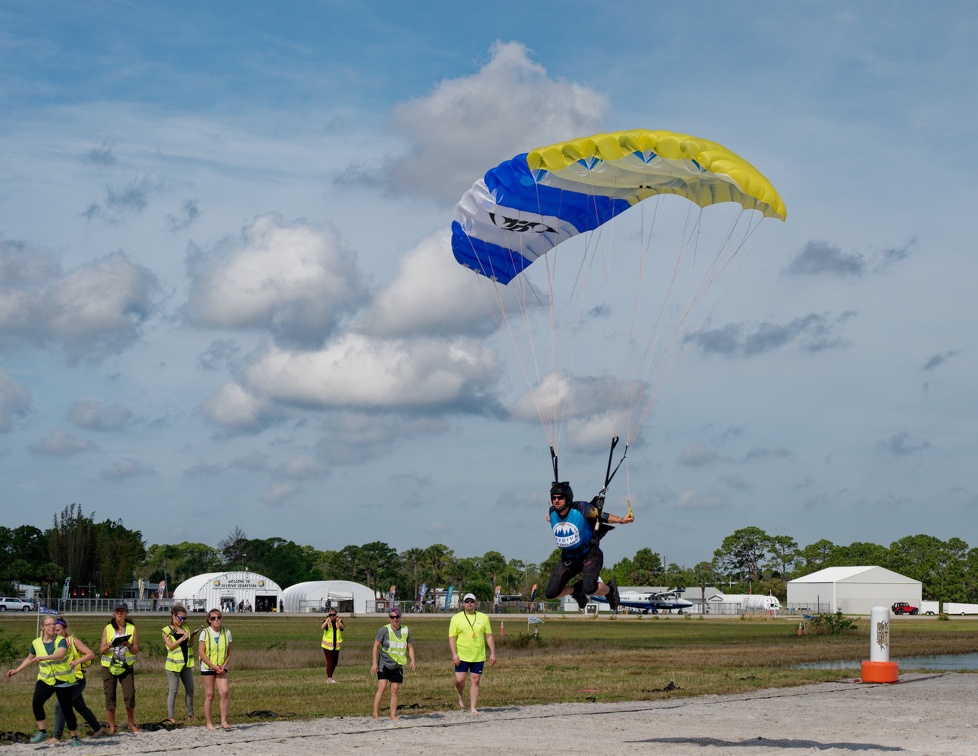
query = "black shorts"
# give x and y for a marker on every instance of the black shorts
(393, 674)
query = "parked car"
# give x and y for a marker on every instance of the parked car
(15, 605)
(902, 607)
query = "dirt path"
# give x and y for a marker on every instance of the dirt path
(922, 714)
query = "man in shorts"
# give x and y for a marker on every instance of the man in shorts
(392, 650)
(468, 636)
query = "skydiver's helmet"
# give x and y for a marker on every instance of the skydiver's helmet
(562, 489)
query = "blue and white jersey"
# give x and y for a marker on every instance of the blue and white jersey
(574, 531)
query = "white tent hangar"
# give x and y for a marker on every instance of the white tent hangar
(318, 595)
(214, 590)
(852, 590)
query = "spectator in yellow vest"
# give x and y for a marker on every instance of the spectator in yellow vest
(392, 650)
(332, 628)
(54, 677)
(214, 650)
(180, 662)
(80, 658)
(119, 647)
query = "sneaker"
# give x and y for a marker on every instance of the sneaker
(613, 599)
(39, 737)
(76, 741)
(331, 681)
(579, 595)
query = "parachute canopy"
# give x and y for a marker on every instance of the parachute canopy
(526, 206)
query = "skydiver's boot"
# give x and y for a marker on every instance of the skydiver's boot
(613, 598)
(579, 595)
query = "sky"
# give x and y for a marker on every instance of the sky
(227, 294)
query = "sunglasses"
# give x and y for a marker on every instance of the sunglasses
(393, 617)
(469, 601)
(557, 497)
(180, 619)
(211, 619)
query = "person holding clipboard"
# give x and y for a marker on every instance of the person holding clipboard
(119, 647)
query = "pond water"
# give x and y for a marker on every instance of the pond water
(944, 662)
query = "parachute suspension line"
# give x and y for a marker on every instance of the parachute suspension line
(653, 359)
(562, 388)
(632, 373)
(521, 286)
(664, 362)
(728, 251)
(628, 492)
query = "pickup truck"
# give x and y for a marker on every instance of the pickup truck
(902, 607)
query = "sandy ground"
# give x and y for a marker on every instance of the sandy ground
(921, 714)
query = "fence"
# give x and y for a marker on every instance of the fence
(106, 605)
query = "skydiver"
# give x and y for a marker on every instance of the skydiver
(577, 532)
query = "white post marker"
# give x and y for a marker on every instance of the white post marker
(879, 668)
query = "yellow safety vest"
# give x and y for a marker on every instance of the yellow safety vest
(217, 651)
(52, 671)
(74, 653)
(397, 647)
(174, 656)
(116, 666)
(328, 636)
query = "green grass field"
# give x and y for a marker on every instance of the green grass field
(278, 666)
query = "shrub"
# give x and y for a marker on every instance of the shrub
(526, 640)
(832, 624)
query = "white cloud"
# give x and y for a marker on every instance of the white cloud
(469, 124)
(62, 443)
(293, 279)
(356, 372)
(433, 294)
(302, 467)
(233, 408)
(92, 311)
(91, 414)
(280, 492)
(15, 399)
(351, 437)
(127, 468)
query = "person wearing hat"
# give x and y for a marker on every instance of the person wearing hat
(392, 650)
(81, 657)
(468, 635)
(577, 528)
(119, 647)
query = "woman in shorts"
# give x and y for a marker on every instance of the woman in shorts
(392, 650)
(214, 650)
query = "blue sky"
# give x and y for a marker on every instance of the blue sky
(227, 297)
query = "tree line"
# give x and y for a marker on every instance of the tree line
(105, 558)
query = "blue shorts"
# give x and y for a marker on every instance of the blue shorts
(474, 667)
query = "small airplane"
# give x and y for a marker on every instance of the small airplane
(651, 601)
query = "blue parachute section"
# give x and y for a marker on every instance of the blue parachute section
(526, 206)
